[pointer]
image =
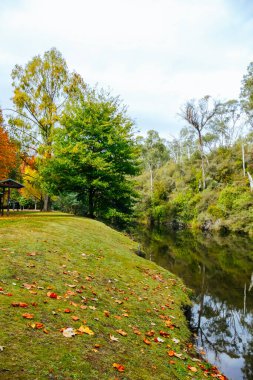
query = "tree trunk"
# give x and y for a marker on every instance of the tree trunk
(91, 203)
(202, 159)
(243, 160)
(47, 206)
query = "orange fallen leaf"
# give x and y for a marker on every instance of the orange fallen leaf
(107, 313)
(136, 331)
(19, 304)
(119, 367)
(75, 318)
(171, 353)
(121, 332)
(27, 316)
(145, 340)
(67, 311)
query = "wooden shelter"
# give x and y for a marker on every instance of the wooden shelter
(6, 185)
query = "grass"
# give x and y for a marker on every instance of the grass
(100, 281)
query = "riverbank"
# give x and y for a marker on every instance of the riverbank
(77, 303)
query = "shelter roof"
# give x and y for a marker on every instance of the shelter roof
(10, 183)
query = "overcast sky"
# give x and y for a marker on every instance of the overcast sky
(155, 54)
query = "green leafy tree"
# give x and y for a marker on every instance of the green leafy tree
(95, 156)
(41, 89)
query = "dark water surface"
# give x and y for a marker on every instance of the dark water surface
(220, 271)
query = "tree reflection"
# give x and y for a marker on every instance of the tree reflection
(220, 270)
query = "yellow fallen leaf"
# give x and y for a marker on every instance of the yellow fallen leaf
(86, 330)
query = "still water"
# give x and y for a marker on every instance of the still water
(220, 271)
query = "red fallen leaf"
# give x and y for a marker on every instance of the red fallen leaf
(193, 369)
(27, 316)
(34, 304)
(67, 311)
(145, 340)
(9, 294)
(119, 367)
(51, 295)
(1, 289)
(165, 334)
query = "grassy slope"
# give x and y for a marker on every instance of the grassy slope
(93, 269)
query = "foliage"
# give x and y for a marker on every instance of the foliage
(95, 155)
(8, 152)
(41, 90)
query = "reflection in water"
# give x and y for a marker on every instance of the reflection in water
(220, 270)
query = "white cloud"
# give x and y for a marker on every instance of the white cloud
(154, 53)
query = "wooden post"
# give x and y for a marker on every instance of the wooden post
(3, 202)
(8, 201)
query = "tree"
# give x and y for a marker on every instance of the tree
(226, 125)
(41, 90)
(95, 156)
(155, 153)
(246, 95)
(198, 114)
(8, 158)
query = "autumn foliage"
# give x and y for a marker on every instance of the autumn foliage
(7, 152)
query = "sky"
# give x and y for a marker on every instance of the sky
(154, 54)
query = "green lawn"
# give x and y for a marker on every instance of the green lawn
(101, 287)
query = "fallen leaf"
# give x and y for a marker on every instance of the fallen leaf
(136, 331)
(52, 295)
(171, 353)
(107, 313)
(75, 318)
(68, 332)
(19, 304)
(193, 369)
(121, 332)
(29, 286)
(86, 330)
(119, 367)
(27, 316)
(145, 340)
(113, 338)
(67, 311)
(159, 340)
(175, 340)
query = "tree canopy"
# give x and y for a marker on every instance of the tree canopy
(95, 155)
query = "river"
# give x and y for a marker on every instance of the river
(220, 271)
